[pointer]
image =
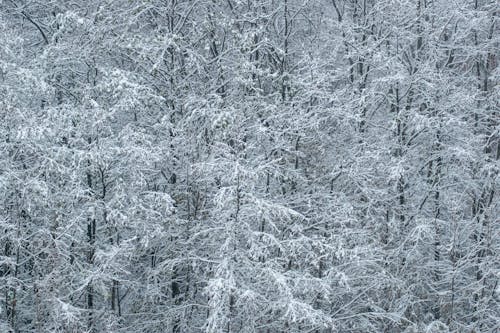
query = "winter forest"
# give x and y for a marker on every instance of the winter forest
(253, 166)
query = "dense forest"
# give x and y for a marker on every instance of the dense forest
(253, 166)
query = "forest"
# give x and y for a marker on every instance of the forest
(249, 166)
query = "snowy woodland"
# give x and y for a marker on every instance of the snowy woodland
(253, 166)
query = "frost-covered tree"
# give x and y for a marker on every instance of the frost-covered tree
(249, 166)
